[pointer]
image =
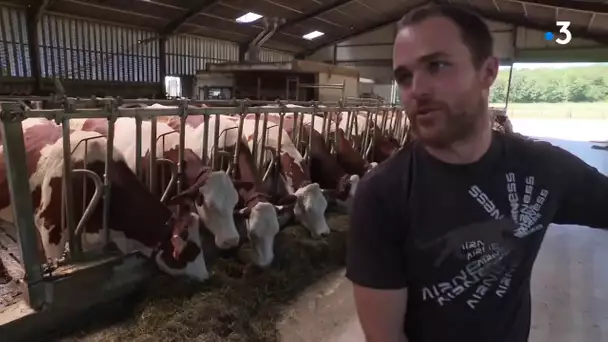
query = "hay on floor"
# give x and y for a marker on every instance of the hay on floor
(240, 303)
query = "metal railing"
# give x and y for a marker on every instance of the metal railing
(389, 121)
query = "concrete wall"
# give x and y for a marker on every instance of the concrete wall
(351, 88)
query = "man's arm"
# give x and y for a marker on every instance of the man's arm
(376, 264)
(584, 199)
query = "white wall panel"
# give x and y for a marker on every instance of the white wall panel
(86, 50)
(14, 49)
(269, 55)
(186, 54)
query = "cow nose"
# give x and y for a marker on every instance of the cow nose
(324, 234)
(230, 242)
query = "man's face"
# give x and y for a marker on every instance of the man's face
(444, 95)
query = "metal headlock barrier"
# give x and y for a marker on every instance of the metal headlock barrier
(389, 121)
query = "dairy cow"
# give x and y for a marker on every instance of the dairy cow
(137, 220)
(310, 202)
(383, 146)
(213, 193)
(261, 222)
(324, 169)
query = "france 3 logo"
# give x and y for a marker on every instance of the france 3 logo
(563, 25)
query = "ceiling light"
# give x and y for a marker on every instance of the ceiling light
(248, 18)
(312, 35)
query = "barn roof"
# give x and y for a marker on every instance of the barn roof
(337, 19)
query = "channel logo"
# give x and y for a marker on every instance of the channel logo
(563, 25)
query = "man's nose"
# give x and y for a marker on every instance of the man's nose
(422, 85)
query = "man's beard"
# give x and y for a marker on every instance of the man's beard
(455, 125)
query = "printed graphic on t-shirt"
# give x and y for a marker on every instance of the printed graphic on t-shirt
(482, 247)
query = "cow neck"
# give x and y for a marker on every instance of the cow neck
(135, 210)
(348, 158)
(324, 167)
(35, 138)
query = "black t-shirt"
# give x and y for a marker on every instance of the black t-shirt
(463, 238)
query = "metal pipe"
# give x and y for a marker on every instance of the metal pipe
(88, 212)
(108, 173)
(138, 166)
(174, 178)
(68, 191)
(152, 156)
(183, 114)
(255, 138)
(264, 136)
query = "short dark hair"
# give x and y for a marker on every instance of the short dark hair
(473, 30)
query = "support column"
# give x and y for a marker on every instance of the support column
(23, 211)
(242, 52)
(162, 65)
(31, 23)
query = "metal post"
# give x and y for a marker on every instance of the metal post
(68, 189)
(23, 211)
(112, 108)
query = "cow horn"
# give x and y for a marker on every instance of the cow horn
(245, 212)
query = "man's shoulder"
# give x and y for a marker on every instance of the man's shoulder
(388, 175)
(535, 149)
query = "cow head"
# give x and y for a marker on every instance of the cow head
(148, 224)
(214, 199)
(309, 209)
(261, 222)
(182, 254)
(262, 227)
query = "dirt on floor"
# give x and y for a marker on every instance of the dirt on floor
(239, 303)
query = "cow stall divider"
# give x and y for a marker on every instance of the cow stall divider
(36, 281)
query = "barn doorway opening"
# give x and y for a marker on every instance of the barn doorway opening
(173, 86)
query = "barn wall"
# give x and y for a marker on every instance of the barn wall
(187, 54)
(270, 55)
(351, 86)
(102, 58)
(14, 50)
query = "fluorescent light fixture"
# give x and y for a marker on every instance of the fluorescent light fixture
(312, 35)
(366, 80)
(248, 18)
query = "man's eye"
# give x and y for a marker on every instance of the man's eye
(435, 66)
(404, 80)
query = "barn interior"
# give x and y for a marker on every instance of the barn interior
(297, 80)
(329, 51)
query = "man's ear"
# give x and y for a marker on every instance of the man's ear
(489, 71)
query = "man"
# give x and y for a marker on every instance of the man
(445, 232)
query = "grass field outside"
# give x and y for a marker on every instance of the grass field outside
(568, 110)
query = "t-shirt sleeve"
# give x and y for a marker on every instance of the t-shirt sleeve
(584, 199)
(376, 254)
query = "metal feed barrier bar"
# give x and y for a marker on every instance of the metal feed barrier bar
(13, 113)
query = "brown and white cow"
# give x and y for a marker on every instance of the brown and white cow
(311, 203)
(261, 220)
(217, 194)
(325, 169)
(137, 220)
(383, 146)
